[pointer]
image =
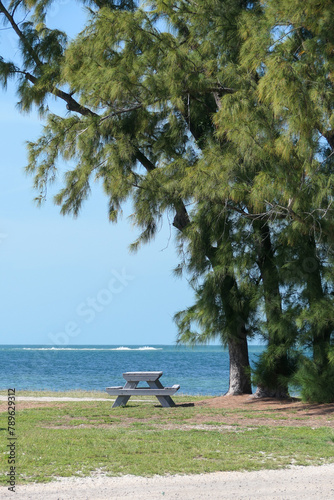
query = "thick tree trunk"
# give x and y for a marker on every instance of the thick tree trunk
(239, 367)
(240, 373)
(267, 392)
(314, 292)
(273, 307)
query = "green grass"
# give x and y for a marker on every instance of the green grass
(75, 439)
(94, 394)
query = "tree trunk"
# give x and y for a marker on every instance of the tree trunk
(277, 369)
(239, 367)
(240, 373)
(321, 340)
(266, 392)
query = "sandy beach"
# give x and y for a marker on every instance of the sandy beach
(285, 484)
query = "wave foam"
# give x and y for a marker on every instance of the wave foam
(122, 348)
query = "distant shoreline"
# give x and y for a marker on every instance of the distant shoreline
(127, 345)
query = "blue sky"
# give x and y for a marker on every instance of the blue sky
(61, 274)
(72, 281)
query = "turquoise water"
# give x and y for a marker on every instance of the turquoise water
(200, 370)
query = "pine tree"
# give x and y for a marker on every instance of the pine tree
(143, 112)
(276, 170)
(294, 44)
(222, 309)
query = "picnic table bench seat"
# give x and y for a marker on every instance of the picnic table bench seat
(142, 391)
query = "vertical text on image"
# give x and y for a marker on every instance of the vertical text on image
(11, 445)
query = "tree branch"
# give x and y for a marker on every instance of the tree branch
(19, 33)
(181, 219)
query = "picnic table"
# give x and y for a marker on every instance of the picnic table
(155, 388)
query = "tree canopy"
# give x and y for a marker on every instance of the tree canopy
(219, 113)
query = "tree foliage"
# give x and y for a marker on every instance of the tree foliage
(221, 114)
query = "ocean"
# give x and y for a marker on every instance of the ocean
(200, 370)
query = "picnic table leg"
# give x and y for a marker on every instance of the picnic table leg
(122, 400)
(165, 401)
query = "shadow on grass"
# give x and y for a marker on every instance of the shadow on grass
(281, 405)
(177, 405)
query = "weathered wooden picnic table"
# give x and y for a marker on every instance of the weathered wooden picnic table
(163, 394)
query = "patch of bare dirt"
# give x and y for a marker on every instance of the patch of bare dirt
(27, 405)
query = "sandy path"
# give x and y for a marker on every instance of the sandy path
(288, 484)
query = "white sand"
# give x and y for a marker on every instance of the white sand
(288, 484)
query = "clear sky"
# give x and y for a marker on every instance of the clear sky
(72, 281)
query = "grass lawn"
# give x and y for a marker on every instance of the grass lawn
(77, 438)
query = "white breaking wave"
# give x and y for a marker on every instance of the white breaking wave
(145, 348)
